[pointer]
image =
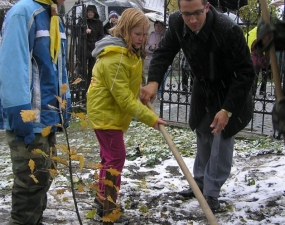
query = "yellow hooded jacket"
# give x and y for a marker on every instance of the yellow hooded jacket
(112, 97)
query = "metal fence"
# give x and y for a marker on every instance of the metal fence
(174, 103)
(76, 24)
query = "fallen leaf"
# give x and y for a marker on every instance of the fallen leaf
(31, 165)
(64, 88)
(29, 115)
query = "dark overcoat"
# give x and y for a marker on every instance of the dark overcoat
(221, 64)
(97, 33)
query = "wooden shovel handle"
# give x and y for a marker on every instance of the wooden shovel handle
(196, 190)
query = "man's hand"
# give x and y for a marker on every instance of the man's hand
(220, 121)
(148, 92)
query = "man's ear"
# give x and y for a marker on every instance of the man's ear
(207, 7)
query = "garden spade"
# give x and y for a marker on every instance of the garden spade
(199, 196)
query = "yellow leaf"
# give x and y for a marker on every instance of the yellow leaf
(109, 198)
(77, 81)
(29, 115)
(64, 88)
(60, 160)
(55, 197)
(65, 149)
(57, 146)
(60, 191)
(94, 187)
(46, 131)
(107, 182)
(59, 99)
(113, 216)
(65, 199)
(81, 162)
(95, 166)
(34, 178)
(83, 124)
(100, 196)
(113, 172)
(78, 158)
(74, 157)
(91, 214)
(73, 151)
(80, 187)
(80, 115)
(31, 165)
(73, 114)
(63, 104)
(51, 151)
(117, 188)
(39, 151)
(52, 172)
(96, 175)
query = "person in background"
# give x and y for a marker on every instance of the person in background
(95, 32)
(152, 43)
(112, 97)
(260, 62)
(221, 100)
(267, 35)
(32, 72)
(113, 20)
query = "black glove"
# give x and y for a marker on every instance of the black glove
(277, 28)
(278, 116)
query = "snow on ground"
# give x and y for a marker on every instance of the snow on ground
(254, 194)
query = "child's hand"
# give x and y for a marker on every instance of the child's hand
(159, 121)
(88, 31)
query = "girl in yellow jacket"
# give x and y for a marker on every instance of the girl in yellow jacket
(112, 98)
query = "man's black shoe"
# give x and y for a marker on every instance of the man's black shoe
(188, 193)
(213, 203)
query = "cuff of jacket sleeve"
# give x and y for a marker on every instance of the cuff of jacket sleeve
(29, 138)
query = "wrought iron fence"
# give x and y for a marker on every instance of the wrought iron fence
(174, 103)
(76, 25)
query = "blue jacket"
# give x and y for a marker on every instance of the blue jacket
(28, 77)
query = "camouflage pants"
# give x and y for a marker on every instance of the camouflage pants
(29, 198)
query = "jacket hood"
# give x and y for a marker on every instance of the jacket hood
(105, 42)
(94, 9)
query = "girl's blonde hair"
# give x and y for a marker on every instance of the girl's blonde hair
(129, 19)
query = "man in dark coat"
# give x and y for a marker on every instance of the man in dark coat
(221, 101)
(95, 32)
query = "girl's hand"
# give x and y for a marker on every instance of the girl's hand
(159, 121)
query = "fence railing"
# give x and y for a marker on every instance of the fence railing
(175, 101)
